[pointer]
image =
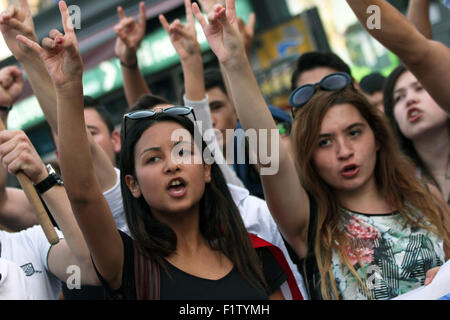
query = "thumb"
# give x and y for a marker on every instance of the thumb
(430, 275)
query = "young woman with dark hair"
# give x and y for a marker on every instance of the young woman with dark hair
(422, 128)
(188, 239)
(349, 206)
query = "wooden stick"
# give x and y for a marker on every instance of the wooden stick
(36, 204)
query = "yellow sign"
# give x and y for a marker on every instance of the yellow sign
(288, 39)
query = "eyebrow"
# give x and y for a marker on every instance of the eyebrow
(92, 127)
(350, 127)
(159, 148)
(415, 83)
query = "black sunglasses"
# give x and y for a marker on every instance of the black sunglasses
(144, 114)
(335, 81)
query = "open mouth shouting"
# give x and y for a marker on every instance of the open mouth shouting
(177, 187)
(414, 115)
(350, 171)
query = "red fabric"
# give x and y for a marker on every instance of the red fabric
(281, 259)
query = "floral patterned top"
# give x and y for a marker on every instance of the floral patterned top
(393, 256)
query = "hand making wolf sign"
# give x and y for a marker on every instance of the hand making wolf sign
(59, 51)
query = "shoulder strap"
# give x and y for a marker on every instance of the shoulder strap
(147, 276)
(281, 259)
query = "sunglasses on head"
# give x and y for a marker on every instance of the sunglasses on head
(335, 81)
(148, 114)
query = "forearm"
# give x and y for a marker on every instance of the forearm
(396, 33)
(419, 16)
(59, 206)
(134, 84)
(90, 207)
(194, 81)
(248, 100)
(43, 88)
(76, 166)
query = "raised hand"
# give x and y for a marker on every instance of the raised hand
(129, 35)
(183, 37)
(18, 154)
(14, 21)
(59, 52)
(222, 32)
(11, 85)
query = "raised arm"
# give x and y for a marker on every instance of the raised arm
(428, 60)
(63, 62)
(419, 15)
(18, 154)
(285, 196)
(184, 40)
(247, 32)
(129, 36)
(18, 21)
(15, 211)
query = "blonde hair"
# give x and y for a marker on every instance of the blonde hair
(394, 175)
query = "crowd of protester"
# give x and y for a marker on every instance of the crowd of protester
(361, 186)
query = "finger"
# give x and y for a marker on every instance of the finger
(17, 25)
(430, 275)
(142, 14)
(10, 11)
(164, 23)
(125, 25)
(23, 4)
(225, 21)
(30, 44)
(189, 16)
(6, 81)
(231, 10)
(199, 16)
(123, 35)
(121, 13)
(55, 33)
(14, 70)
(180, 31)
(8, 142)
(65, 18)
(48, 44)
(251, 23)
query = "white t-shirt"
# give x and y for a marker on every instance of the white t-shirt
(114, 198)
(13, 284)
(258, 220)
(29, 250)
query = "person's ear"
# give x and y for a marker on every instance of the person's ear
(133, 186)
(115, 136)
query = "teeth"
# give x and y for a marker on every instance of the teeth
(414, 113)
(175, 183)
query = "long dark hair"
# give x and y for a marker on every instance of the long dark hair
(219, 218)
(405, 143)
